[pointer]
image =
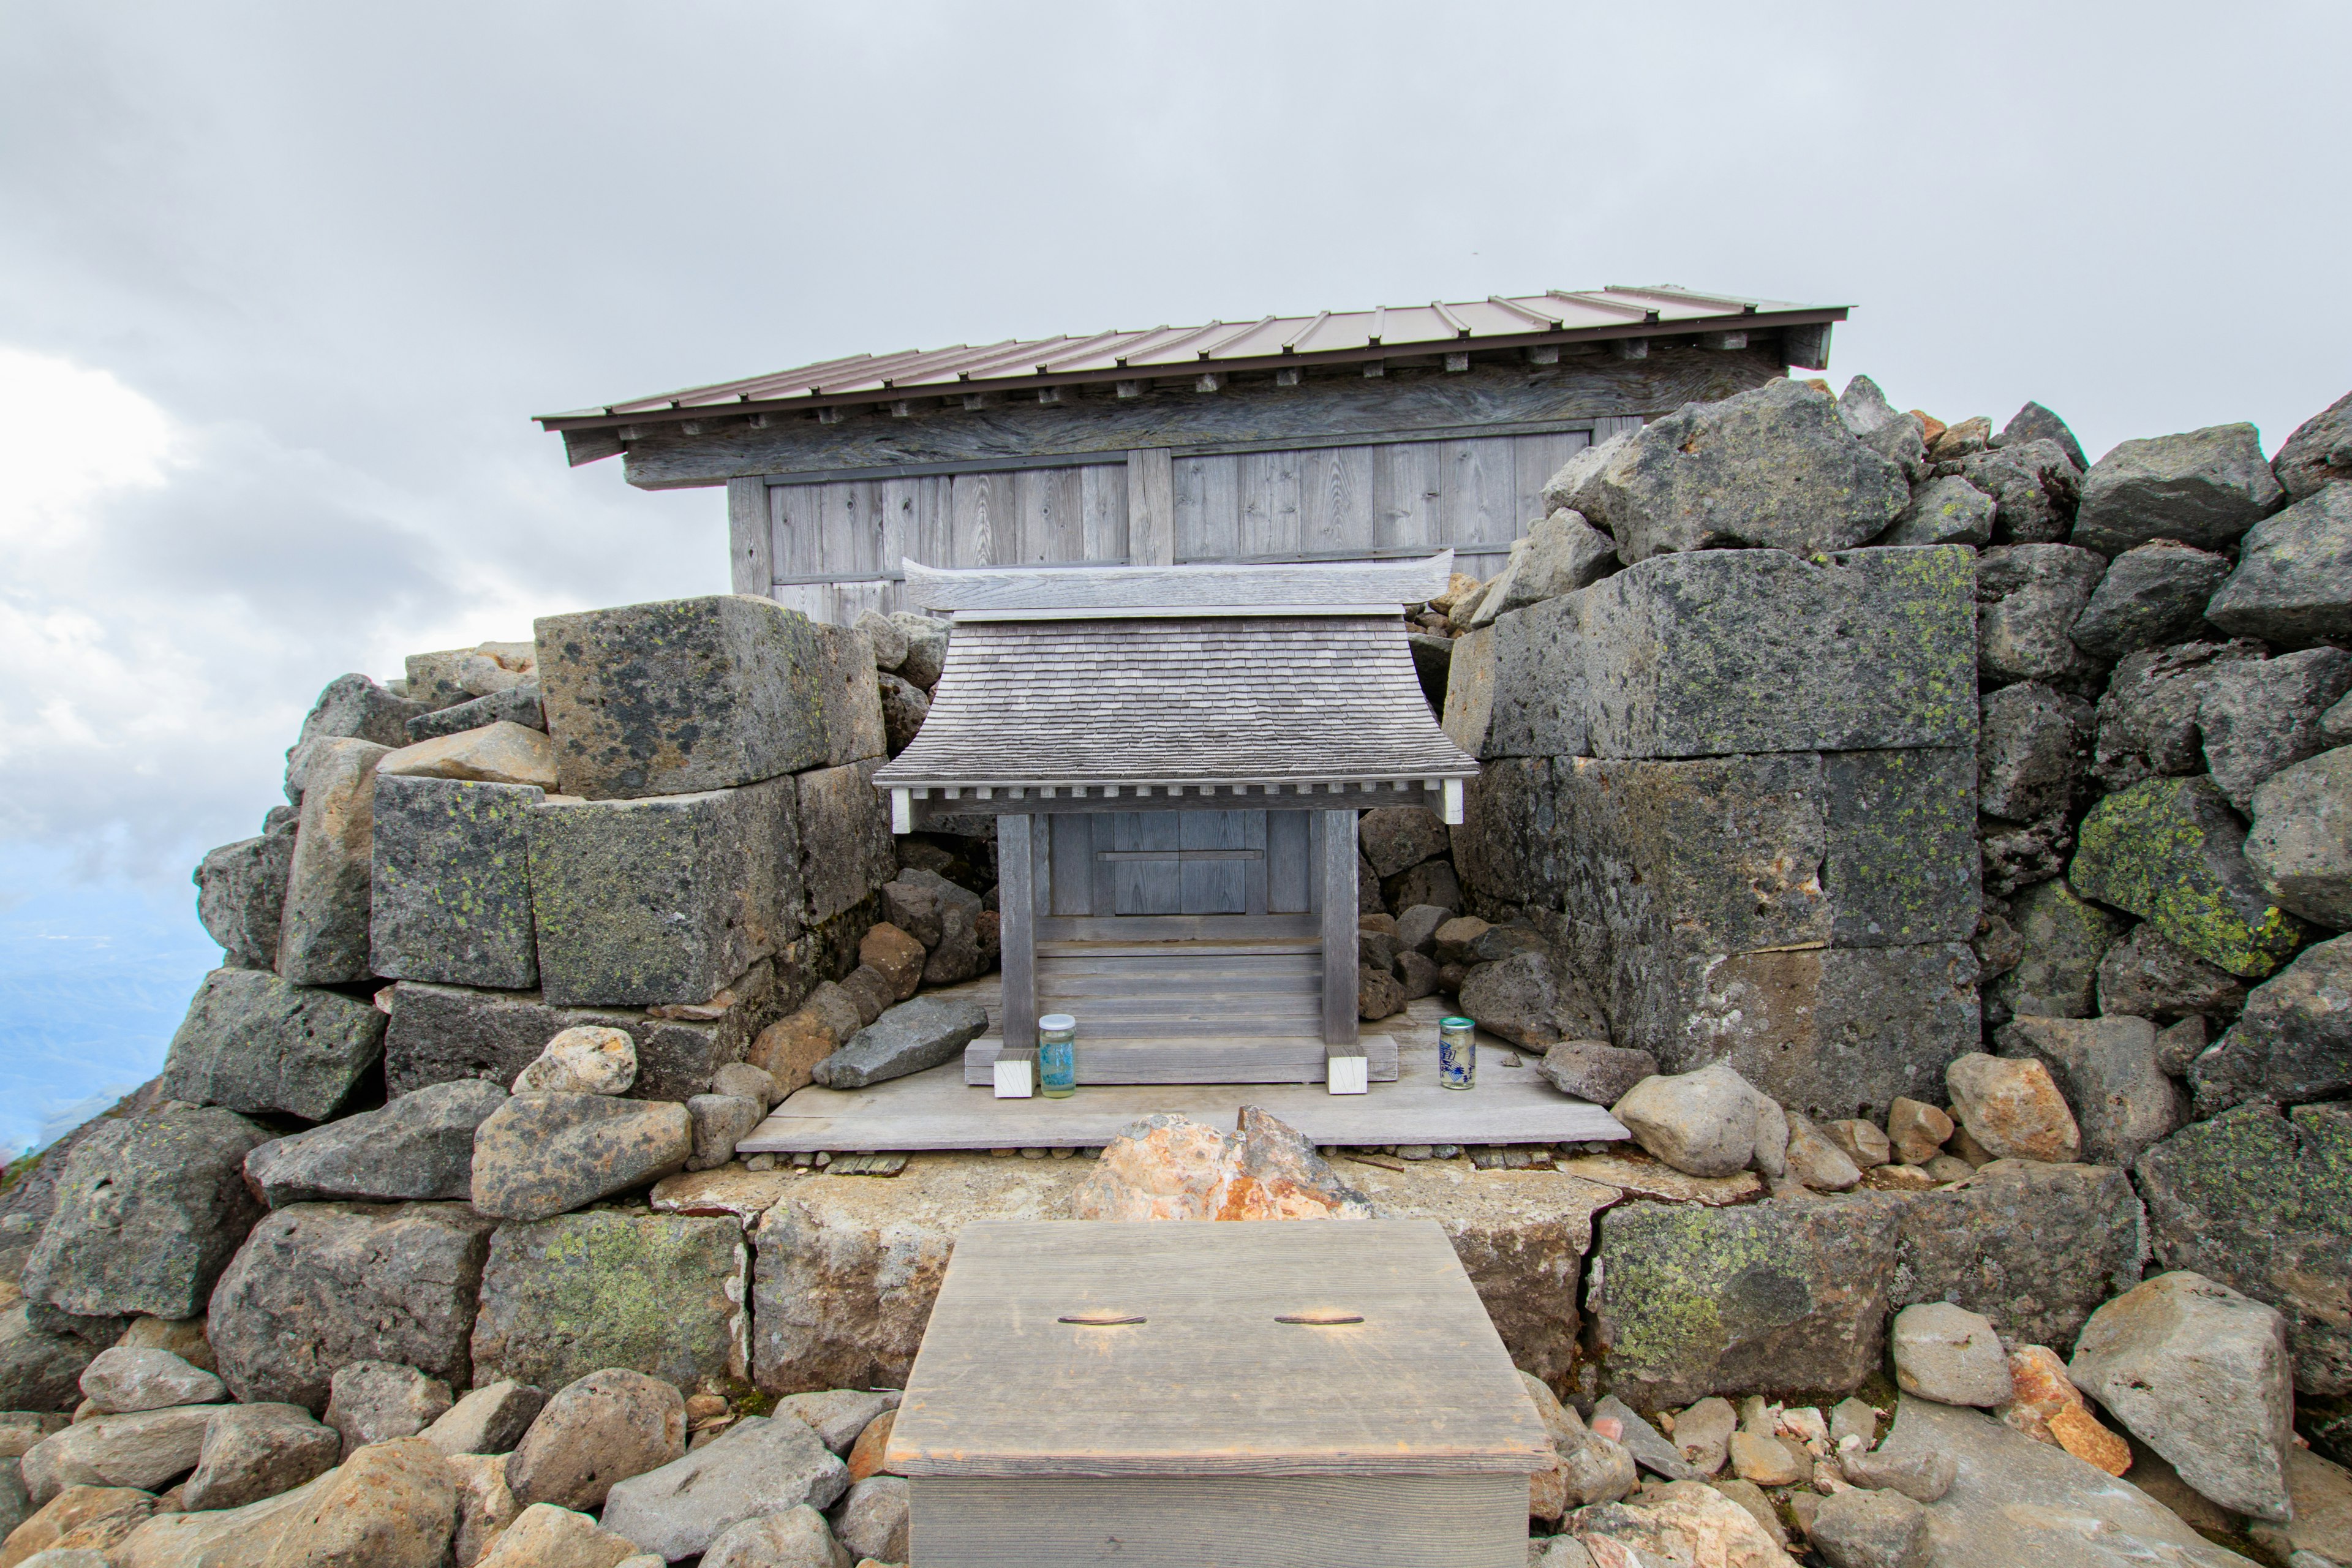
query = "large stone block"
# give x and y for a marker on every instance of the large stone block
(657, 1293)
(2203, 487)
(443, 1032)
(1507, 848)
(664, 899)
(2301, 843)
(323, 928)
(1772, 467)
(854, 727)
(2151, 715)
(2257, 716)
(1779, 1295)
(2171, 851)
(2291, 1041)
(2150, 596)
(418, 1147)
(2293, 584)
(251, 1042)
(241, 895)
(846, 851)
(2034, 1247)
(2029, 598)
(2261, 1199)
(452, 875)
(148, 1213)
(320, 1286)
(1731, 651)
(2319, 453)
(691, 695)
(1519, 688)
(1902, 865)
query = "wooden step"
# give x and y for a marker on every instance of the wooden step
(1171, 1060)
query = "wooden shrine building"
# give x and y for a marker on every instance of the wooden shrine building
(1175, 757)
(1342, 436)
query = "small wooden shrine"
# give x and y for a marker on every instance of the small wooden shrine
(1175, 757)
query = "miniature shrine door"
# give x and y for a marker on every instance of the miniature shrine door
(1138, 875)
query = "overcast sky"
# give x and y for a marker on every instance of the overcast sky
(279, 285)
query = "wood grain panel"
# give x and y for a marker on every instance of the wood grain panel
(1407, 489)
(984, 519)
(1537, 458)
(1208, 507)
(1150, 508)
(1479, 501)
(1335, 499)
(1070, 881)
(1287, 866)
(1103, 499)
(1270, 502)
(800, 530)
(751, 538)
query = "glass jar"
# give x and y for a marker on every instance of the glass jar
(1058, 1056)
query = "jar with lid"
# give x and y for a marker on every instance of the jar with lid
(1058, 1056)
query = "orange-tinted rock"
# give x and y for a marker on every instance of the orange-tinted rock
(2012, 1108)
(2040, 1389)
(898, 956)
(1171, 1167)
(2078, 1431)
(790, 1048)
(866, 1454)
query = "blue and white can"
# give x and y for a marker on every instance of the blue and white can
(1457, 1052)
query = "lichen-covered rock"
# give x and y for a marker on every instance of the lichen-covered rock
(688, 695)
(442, 1033)
(2034, 746)
(2170, 851)
(2034, 485)
(323, 936)
(2261, 1199)
(2318, 454)
(586, 1058)
(2020, 857)
(451, 881)
(908, 1038)
(241, 894)
(2300, 846)
(665, 900)
(2034, 1247)
(149, 1211)
(905, 706)
(2152, 594)
(846, 852)
(2150, 713)
(1947, 510)
(515, 705)
(2200, 1373)
(320, 1286)
(1773, 467)
(2107, 1069)
(2257, 716)
(1784, 1293)
(253, 1043)
(2293, 1040)
(2035, 423)
(2064, 938)
(538, 1155)
(661, 1294)
(599, 1429)
(354, 705)
(2145, 976)
(757, 1466)
(2029, 598)
(2291, 584)
(2203, 487)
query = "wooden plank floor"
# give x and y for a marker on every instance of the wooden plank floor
(937, 1109)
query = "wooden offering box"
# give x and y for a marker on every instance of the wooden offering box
(1311, 1393)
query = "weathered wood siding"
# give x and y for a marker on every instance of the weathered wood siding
(833, 546)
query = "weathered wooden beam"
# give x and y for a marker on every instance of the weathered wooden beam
(1723, 341)
(1633, 348)
(1210, 382)
(751, 542)
(1016, 909)
(1152, 507)
(591, 446)
(1339, 1021)
(1289, 377)
(1806, 348)
(1457, 363)
(1400, 403)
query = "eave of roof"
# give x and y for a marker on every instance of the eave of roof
(1272, 342)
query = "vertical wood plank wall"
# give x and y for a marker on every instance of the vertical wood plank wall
(831, 545)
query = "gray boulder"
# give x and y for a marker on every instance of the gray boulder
(1417, 928)
(2201, 1374)
(2152, 594)
(2170, 851)
(1772, 467)
(148, 1213)
(2035, 423)
(719, 1122)
(2034, 747)
(2145, 976)
(451, 879)
(1432, 662)
(1886, 430)
(1430, 882)
(598, 1431)
(2301, 843)
(2063, 940)
(926, 646)
(2318, 454)
(1779, 1294)
(418, 1147)
(1650, 1447)
(2258, 716)
(376, 1401)
(1860, 1529)
(846, 851)
(875, 1518)
(320, 1286)
(252, 1043)
(542, 1155)
(666, 900)
(2107, 1069)
(2203, 487)
(323, 926)
(563, 1297)
(241, 895)
(124, 1378)
(1701, 1123)
(1394, 838)
(888, 641)
(2292, 1042)
(837, 1415)
(1561, 553)
(255, 1451)
(515, 705)
(908, 1038)
(691, 695)
(1945, 511)
(905, 706)
(1528, 999)
(441, 1033)
(40, 1368)
(1949, 1354)
(2028, 597)
(796, 1538)
(144, 1450)
(2261, 1199)
(943, 916)
(2033, 484)
(2022, 855)
(353, 705)
(2149, 714)
(759, 1465)
(2293, 584)
(492, 1419)
(1595, 1070)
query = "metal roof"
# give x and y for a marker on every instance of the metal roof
(1620, 310)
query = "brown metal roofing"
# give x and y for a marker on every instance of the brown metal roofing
(1184, 700)
(1330, 336)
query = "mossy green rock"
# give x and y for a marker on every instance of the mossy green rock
(2064, 938)
(661, 1294)
(2171, 851)
(1783, 1296)
(452, 876)
(2260, 1200)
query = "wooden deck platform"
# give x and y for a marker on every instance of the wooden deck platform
(937, 1110)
